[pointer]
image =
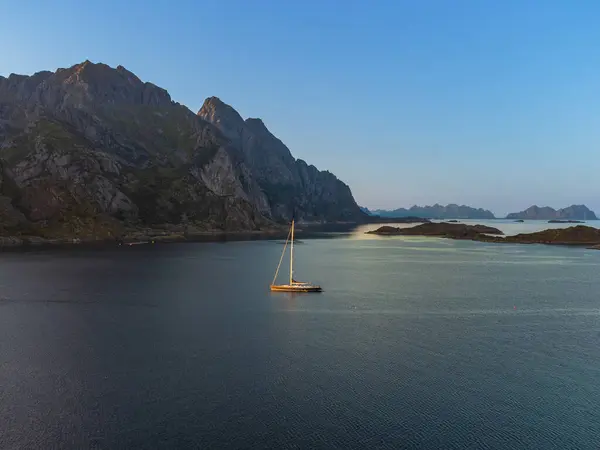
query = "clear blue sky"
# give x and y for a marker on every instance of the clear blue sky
(489, 103)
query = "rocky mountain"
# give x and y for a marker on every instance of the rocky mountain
(93, 151)
(365, 210)
(451, 211)
(291, 186)
(573, 212)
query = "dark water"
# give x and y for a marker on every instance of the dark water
(415, 343)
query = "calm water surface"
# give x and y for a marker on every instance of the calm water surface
(415, 343)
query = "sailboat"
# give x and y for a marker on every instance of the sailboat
(293, 285)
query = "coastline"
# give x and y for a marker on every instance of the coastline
(152, 237)
(163, 234)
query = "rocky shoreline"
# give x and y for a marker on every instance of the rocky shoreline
(580, 235)
(136, 237)
(169, 234)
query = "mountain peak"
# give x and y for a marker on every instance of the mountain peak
(88, 71)
(256, 124)
(215, 101)
(129, 75)
(83, 65)
(88, 67)
(103, 83)
(223, 116)
(214, 105)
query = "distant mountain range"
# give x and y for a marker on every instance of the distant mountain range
(573, 212)
(454, 211)
(451, 211)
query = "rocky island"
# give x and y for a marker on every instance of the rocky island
(408, 219)
(579, 235)
(443, 229)
(573, 212)
(450, 211)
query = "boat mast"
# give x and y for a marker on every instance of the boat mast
(292, 256)
(287, 239)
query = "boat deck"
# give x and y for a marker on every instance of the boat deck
(299, 287)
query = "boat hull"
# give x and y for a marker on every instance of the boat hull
(294, 288)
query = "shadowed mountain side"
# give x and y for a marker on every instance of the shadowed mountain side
(93, 152)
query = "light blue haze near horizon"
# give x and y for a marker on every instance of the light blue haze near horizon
(490, 104)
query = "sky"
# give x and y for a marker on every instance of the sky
(494, 104)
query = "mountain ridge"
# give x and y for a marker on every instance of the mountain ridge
(573, 212)
(437, 211)
(92, 144)
(277, 171)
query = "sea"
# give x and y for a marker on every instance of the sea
(415, 343)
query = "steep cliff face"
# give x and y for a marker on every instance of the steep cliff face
(291, 186)
(90, 150)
